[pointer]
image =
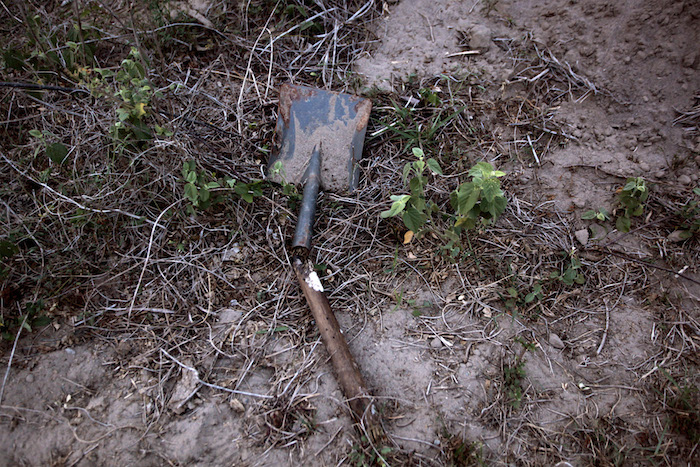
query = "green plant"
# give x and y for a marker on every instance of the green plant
(413, 208)
(481, 200)
(364, 454)
(514, 374)
(570, 273)
(476, 203)
(515, 300)
(57, 152)
(199, 187)
(54, 49)
(683, 407)
(7, 250)
(632, 197)
(288, 189)
(601, 215)
(135, 93)
(203, 189)
(461, 452)
(690, 213)
(411, 126)
(31, 317)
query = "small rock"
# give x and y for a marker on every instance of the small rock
(582, 236)
(572, 57)
(555, 341)
(684, 180)
(676, 236)
(436, 343)
(70, 351)
(29, 378)
(237, 406)
(480, 38)
(644, 167)
(689, 60)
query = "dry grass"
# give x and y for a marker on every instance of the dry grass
(105, 241)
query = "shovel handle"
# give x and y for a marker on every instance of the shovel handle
(307, 212)
(347, 371)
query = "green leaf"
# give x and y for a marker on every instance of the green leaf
(512, 292)
(465, 222)
(14, 59)
(204, 195)
(191, 177)
(467, 196)
(36, 133)
(40, 321)
(418, 153)
(630, 185)
(248, 191)
(191, 192)
(406, 171)
(530, 297)
(434, 166)
(590, 214)
(419, 166)
(499, 205)
(212, 185)
(413, 219)
(416, 185)
(8, 249)
(123, 114)
(398, 205)
(623, 224)
(569, 276)
(481, 170)
(57, 152)
(491, 189)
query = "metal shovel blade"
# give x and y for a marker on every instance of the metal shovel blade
(335, 122)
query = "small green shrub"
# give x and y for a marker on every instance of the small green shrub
(480, 201)
(51, 50)
(57, 152)
(632, 198)
(602, 215)
(414, 209)
(32, 317)
(514, 374)
(570, 273)
(364, 454)
(204, 190)
(134, 93)
(517, 299)
(691, 216)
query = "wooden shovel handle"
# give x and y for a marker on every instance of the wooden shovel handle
(347, 371)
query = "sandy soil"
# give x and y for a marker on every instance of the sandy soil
(437, 355)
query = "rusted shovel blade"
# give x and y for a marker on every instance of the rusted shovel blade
(309, 116)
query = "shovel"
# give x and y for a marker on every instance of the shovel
(318, 142)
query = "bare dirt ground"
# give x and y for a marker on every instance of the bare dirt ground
(162, 336)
